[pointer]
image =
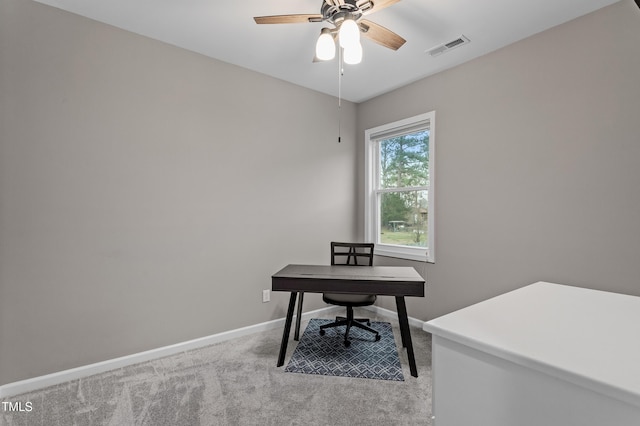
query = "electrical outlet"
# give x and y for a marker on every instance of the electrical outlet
(266, 296)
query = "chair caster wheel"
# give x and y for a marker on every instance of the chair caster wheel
(347, 343)
(377, 337)
(321, 332)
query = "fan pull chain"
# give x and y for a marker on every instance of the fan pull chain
(340, 74)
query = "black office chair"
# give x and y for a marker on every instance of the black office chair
(350, 251)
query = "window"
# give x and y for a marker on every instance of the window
(399, 196)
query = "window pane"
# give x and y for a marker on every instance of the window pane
(403, 218)
(404, 160)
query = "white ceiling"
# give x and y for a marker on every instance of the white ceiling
(225, 30)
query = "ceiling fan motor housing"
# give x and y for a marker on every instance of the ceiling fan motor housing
(339, 12)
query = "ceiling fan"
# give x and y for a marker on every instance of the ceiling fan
(346, 18)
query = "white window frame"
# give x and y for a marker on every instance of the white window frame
(372, 190)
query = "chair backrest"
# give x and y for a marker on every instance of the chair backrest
(356, 254)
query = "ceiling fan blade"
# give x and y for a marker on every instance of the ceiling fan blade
(377, 5)
(381, 35)
(288, 19)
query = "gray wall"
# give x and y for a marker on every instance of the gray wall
(538, 153)
(148, 193)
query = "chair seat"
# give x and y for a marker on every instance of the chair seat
(349, 299)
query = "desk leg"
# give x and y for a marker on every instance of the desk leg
(296, 335)
(406, 333)
(287, 328)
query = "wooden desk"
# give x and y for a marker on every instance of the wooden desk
(397, 281)
(545, 354)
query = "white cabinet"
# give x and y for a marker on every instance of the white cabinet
(545, 354)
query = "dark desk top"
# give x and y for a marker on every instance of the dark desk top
(379, 280)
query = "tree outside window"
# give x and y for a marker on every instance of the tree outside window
(404, 167)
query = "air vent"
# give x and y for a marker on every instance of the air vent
(445, 47)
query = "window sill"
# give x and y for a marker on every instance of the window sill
(420, 254)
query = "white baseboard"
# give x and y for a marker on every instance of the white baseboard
(41, 382)
(414, 322)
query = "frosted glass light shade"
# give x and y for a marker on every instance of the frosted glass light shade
(353, 54)
(325, 47)
(349, 34)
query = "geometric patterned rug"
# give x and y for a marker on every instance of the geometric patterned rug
(365, 358)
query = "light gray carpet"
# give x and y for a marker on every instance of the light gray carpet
(235, 383)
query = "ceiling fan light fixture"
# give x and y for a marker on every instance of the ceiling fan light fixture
(353, 54)
(348, 27)
(325, 46)
(349, 33)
